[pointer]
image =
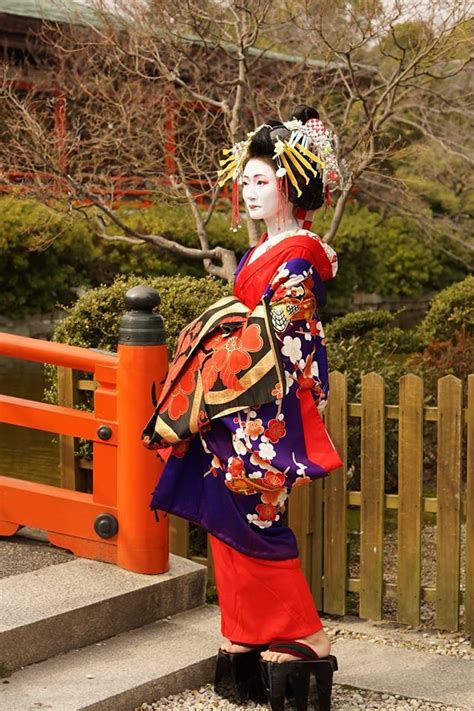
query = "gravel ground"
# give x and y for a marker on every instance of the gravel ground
(455, 644)
(21, 555)
(347, 698)
(344, 698)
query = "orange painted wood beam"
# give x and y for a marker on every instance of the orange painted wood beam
(54, 353)
(52, 509)
(54, 418)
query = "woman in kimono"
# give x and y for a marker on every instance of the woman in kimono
(254, 369)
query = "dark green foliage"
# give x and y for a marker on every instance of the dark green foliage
(450, 311)
(359, 323)
(377, 326)
(389, 256)
(43, 258)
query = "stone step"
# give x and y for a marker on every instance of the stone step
(62, 607)
(121, 673)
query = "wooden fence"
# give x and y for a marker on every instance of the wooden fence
(318, 513)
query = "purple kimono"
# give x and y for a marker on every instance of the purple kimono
(234, 477)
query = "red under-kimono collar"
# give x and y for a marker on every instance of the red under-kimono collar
(254, 277)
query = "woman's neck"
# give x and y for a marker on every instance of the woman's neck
(276, 226)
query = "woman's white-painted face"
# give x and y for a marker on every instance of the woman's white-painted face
(260, 189)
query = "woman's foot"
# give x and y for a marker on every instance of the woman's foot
(319, 642)
(234, 648)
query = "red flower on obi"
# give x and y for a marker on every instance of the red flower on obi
(274, 479)
(231, 355)
(177, 401)
(266, 512)
(275, 431)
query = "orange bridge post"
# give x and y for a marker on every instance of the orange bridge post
(142, 544)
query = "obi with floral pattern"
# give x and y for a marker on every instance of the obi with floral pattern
(234, 475)
(226, 359)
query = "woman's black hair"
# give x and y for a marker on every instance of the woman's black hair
(263, 146)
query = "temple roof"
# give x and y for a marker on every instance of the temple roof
(52, 10)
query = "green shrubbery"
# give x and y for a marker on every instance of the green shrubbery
(451, 310)
(389, 256)
(44, 256)
(447, 332)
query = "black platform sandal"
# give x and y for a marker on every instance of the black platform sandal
(292, 679)
(238, 674)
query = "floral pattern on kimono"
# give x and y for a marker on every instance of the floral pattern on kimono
(269, 456)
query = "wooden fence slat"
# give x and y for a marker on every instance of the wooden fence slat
(67, 460)
(449, 503)
(179, 536)
(299, 505)
(335, 505)
(372, 496)
(317, 541)
(469, 595)
(410, 490)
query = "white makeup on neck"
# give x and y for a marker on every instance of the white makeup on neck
(260, 193)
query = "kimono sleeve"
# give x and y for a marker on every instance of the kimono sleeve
(293, 296)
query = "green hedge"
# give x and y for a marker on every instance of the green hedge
(44, 256)
(451, 311)
(388, 256)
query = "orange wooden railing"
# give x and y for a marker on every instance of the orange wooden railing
(114, 523)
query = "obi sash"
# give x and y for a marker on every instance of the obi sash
(226, 359)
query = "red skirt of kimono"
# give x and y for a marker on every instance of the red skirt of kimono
(262, 600)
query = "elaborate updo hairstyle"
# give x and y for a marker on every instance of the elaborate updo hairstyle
(262, 145)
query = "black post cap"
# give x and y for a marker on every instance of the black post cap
(141, 326)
